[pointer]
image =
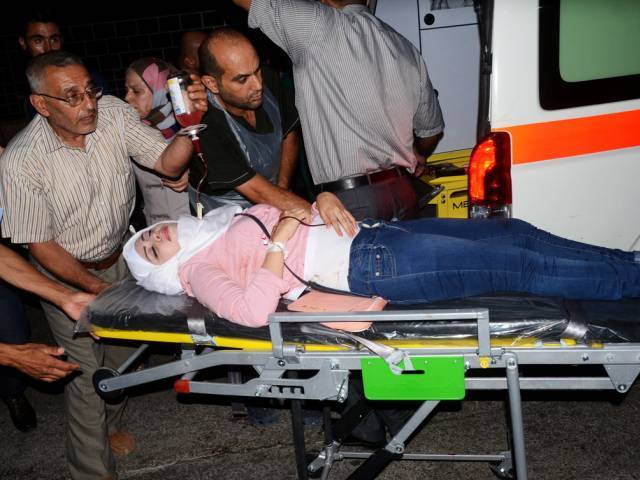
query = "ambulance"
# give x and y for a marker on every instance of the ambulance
(541, 99)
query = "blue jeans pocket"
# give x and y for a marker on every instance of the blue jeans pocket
(370, 263)
(384, 263)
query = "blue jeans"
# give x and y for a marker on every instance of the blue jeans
(436, 259)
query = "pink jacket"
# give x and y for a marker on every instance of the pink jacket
(228, 278)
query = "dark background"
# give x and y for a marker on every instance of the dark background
(108, 38)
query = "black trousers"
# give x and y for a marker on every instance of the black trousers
(392, 199)
(14, 329)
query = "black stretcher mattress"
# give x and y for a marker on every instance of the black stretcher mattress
(127, 306)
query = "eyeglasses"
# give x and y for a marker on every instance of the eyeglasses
(76, 99)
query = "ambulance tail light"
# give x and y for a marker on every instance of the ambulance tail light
(490, 177)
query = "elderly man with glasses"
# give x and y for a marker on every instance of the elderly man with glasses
(67, 190)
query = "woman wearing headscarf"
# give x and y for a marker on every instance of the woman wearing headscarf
(145, 82)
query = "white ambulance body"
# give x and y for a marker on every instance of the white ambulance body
(548, 93)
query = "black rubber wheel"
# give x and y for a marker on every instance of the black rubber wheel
(104, 373)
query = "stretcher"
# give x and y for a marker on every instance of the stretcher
(429, 353)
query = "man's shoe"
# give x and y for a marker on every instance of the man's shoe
(22, 413)
(122, 442)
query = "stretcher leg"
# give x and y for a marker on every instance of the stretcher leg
(377, 462)
(320, 465)
(326, 423)
(515, 409)
(104, 373)
(129, 361)
(503, 469)
(328, 440)
(297, 426)
(336, 433)
(238, 409)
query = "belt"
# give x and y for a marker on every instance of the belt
(104, 263)
(361, 180)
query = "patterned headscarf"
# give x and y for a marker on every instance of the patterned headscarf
(154, 73)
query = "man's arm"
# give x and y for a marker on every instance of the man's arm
(59, 262)
(422, 148)
(36, 360)
(245, 4)
(428, 123)
(290, 24)
(179, 185)
(425, 146)
(261, 190)
(288, 159)
(174, 159)
(18, 272)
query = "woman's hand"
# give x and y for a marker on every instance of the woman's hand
(179, 185)
(335, 215)
(287, 227)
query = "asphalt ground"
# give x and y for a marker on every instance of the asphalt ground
(579, 435)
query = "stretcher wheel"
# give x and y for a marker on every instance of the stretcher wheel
(104, 373)
(502, 471)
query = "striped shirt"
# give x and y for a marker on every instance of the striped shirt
(80, 198)
(362, 90)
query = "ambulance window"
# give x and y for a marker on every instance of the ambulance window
(588, 52)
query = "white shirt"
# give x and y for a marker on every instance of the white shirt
(326, 261)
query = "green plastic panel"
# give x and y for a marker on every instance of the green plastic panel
(433, 378)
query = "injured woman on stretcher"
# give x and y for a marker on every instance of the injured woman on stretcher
(241, 265)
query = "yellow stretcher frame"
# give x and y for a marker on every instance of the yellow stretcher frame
(265, 345)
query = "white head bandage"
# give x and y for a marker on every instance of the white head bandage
(193, 236)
